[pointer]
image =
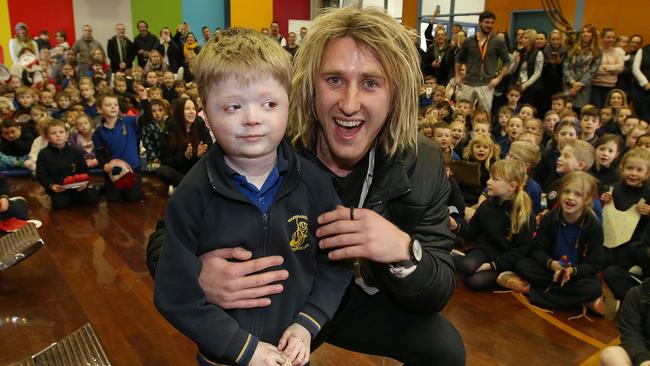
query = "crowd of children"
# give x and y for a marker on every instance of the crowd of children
(536, 194)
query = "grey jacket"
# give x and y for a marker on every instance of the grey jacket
(479, 71)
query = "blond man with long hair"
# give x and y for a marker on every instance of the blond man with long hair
(353, 110)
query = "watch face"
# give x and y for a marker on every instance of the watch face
(417, 250)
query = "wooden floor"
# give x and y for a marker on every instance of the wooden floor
(92, 269)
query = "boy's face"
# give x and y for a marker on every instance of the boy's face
(158, 113)
(557, 105)
(568, 162)
(605, 115)
(63, 103)
(606, 153)
(109, 108)
(644, 143)
(564, 135)
(120, 86)
(11, 133)
(57, 135)
(463, 108)
(629, 125)
(457, 133)
(503, 119)
(168, 79)
(25, 100)
(159, 79)
(513, 97)
(180, 89)
(86, 90)
(15, 83)
(480, 129)
(515, 128)
(526, 113)
(532, 126)
(36, 114)
(248, 120)
(623, 113)
(438, 97)
(633, 136)
(427, 131)
(47, 98)
(155, 94)
(443, 137)
(67, 71)
(549, 123)
(589, 125)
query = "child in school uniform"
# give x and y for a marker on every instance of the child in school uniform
(117, 142)
(627, 195)
(82, 138)
(481, 149)
(152, 132)
(14, 145)
(222, 191)
(605, 168)
(514, 128)
(567, 252)
(58, 161)
(589, 124)
(545, 172)
(503, 228)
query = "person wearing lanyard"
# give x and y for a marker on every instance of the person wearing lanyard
(355, 115)
(480, 54)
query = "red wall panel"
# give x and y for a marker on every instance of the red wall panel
(283, 10)
(52, 15)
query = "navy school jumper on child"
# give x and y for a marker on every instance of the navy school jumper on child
(120, 142)
(214, 208)
(582, 243)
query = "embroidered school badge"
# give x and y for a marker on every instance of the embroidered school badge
(299, 239)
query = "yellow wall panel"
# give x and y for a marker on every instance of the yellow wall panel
(254, 14)
(5, 32)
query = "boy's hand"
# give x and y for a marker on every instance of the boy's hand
(295, 344)
(267, 355)
(453, 225)
(84, 186)
(188, 151)
(57, 188)
(606, 197)
(643, 208)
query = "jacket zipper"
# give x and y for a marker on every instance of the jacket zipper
(388, 197)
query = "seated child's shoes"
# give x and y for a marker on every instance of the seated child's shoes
(597, 306)
(512, 281)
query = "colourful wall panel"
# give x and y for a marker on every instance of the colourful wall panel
(199, 13)
(5, 33)
(283, 10)
(253, 14)
(40, 15)
(157, 13)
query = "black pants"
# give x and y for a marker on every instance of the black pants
(113, 194)
(619, 280)
(599, 95)
(467, 266)
(641, 98)
(17, 209)
(374, 325)
(170, 175)
(88, 196)
(573, 294)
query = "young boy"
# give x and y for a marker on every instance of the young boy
(63, 103)
(168, 87)
(464, 108)
(513, 95)
(152, 132)
(250, 179)
(58, 161)
(117, 143)
(575, 155)
(24, 100)
(87, 90)
(589, 124)
(551, 118)
(442, 135)
(14, 146)
(527, 111)
(558, 103)
(514, 128)
(499, 130)
(545, 172)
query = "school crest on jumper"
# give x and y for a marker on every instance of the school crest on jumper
(300, 237)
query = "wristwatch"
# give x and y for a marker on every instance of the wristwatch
(415, 250)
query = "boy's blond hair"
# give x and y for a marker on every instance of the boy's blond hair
(583, 151)
(387, 40)
(25, 90)
(243, 53)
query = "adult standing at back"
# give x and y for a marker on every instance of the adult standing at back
(353, 112)
(120, 50)
(480, 54)
(580, 66)
(612, 64)
(275, 33)
(21, 40)
(144, 42)
(641, 89)
(83, 46)
(526, 68)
